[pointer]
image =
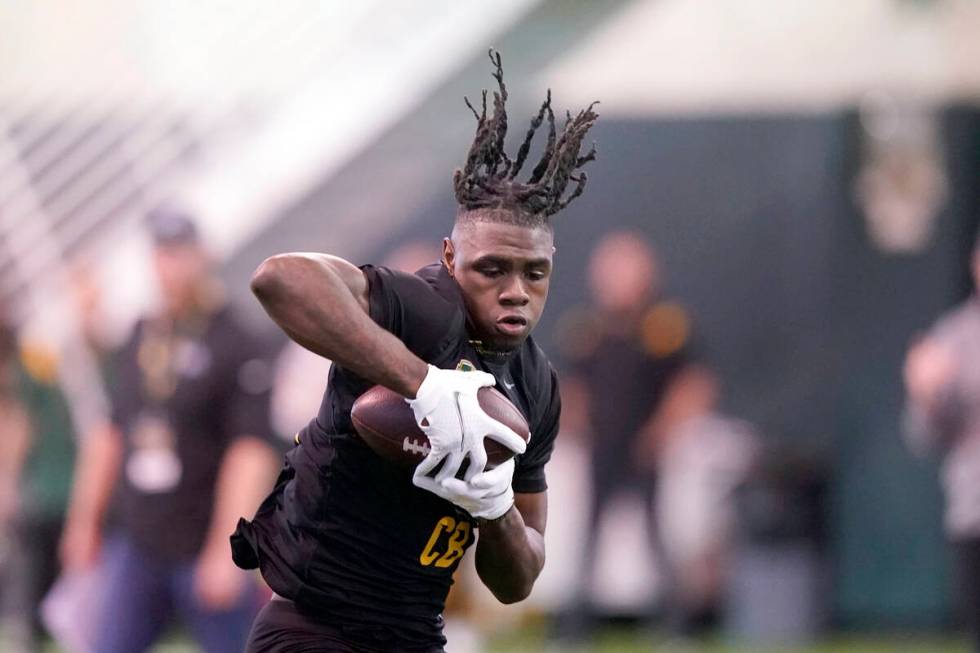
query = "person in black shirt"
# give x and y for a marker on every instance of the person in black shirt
(360, 552)
(625, 354)
(185, 451)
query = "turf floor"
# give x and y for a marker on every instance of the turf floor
(631, 641)
(627, 642)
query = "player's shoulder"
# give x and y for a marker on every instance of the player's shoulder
(422, 278)
(426, 284)
(425, 310)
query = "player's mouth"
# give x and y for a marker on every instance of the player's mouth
(512, 325)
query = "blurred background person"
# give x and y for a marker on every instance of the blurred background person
(186, 453)
(626, 352)
(15, 617)
(942, 381)
(40, 453)
(702, 457)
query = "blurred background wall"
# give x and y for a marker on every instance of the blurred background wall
(807, 172)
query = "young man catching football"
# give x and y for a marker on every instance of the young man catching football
(361, 552)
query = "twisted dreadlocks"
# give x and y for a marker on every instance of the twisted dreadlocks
(487, 182)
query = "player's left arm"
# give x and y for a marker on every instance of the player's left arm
(510, 551)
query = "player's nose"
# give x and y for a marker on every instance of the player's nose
(514, 292)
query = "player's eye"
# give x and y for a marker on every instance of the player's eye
(491, 271)
(536, 275)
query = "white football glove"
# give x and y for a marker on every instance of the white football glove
(486, 495)
(448, 412)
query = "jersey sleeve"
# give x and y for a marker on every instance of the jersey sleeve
(529, 476)
(408, 307)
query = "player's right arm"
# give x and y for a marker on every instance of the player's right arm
(321, 302)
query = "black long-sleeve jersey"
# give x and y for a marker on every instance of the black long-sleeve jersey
(345, 534)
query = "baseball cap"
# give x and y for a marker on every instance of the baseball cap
(172, 226)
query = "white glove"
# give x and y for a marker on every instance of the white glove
(447, 411)
(486, 495)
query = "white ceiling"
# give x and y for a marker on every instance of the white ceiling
(683, 56)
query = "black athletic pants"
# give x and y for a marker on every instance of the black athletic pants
(282, 628)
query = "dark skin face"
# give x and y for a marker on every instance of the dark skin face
(504, 271)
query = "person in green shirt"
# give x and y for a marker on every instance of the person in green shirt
(38, 453)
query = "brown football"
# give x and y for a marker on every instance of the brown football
(385, 421)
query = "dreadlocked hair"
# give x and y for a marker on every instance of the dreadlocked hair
(487, 181)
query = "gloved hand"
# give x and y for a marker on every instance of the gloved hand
(485, 495)
(447, 411)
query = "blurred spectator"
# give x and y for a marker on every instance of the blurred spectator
(186, 452)
(626, 351)
(942, 381)
(702, 460)
(43, 437)
(14, 444)
(12, 420)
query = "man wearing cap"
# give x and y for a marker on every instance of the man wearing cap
(185, 451)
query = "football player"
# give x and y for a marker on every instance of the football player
(360, 552)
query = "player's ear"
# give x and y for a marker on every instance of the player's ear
(449, 256)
